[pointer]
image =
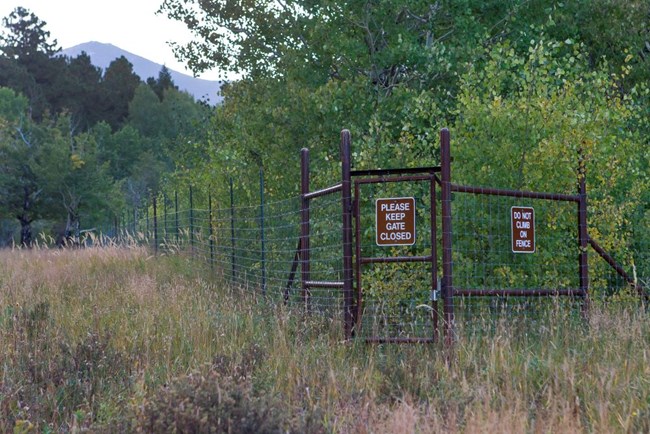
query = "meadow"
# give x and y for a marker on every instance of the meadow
(117, 340)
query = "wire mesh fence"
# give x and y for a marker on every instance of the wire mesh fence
(475, 252)
(254, 247)
(492, 275)
(258, 248)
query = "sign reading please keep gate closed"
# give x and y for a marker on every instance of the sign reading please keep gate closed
(395, 221)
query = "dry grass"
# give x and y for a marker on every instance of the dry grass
(92, 336)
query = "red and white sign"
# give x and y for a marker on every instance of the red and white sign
(395, 221)
(523, 229)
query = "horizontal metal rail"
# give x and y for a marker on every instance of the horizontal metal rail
(396, 340)
(325, 191)
(404, 171)
(391, 259)
(393, 179)
(323, 284)
(514, 193)
(539, 292)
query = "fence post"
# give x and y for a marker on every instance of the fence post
(583, 236)
(155, 224)
(262, 239)
(123, 225)
(346, 204)
(146, 211)
(176, 213)
(165, 217)
(434, 260)
(191, 220)
(304, 226)
(232, 231)
(211, 232)
(447, 266)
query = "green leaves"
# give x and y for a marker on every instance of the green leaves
(528, 121)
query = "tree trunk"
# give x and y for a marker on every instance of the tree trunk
(25, 219)
(72, 229)
(25, 230)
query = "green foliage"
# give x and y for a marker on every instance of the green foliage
(82, 92)
(529, 90)
(73, 136)
(74, 180)
(118, 88)
(20, 152)
(162, 83)
(530, 121)
(13, 107)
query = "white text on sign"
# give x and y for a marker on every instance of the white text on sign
(395, 221)
(523, 229)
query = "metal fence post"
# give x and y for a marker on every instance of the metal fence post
(583, 236)
(146, 210)
(211, 232)
(447, 265)
(165, 217)
(346, 204)
(232, 231)
(304, 225)
(262, 239)
(191, 220)
(155, 224)
(176, 213)
(434, 260)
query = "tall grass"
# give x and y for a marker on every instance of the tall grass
(112, 339)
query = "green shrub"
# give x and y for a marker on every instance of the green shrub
(214, 403)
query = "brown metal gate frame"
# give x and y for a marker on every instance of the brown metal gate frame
(388, 176)
(353, 260)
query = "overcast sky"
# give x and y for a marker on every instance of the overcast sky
(129, 24)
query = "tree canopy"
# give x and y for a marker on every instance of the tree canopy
(76, 139)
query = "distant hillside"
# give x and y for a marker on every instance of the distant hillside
(102, 55)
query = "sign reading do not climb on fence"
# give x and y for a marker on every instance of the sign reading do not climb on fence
(523, 229)
(395, 218)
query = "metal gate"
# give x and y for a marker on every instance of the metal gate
(392, 228)
(355, 291)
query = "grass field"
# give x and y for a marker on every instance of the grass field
(115, 340)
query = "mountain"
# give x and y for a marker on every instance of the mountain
(101, 55)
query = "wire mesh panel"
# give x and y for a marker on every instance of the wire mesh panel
(395, 279)
(488, 255)
(325, 256)
(498, 253)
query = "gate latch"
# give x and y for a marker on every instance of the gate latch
(435, 294)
